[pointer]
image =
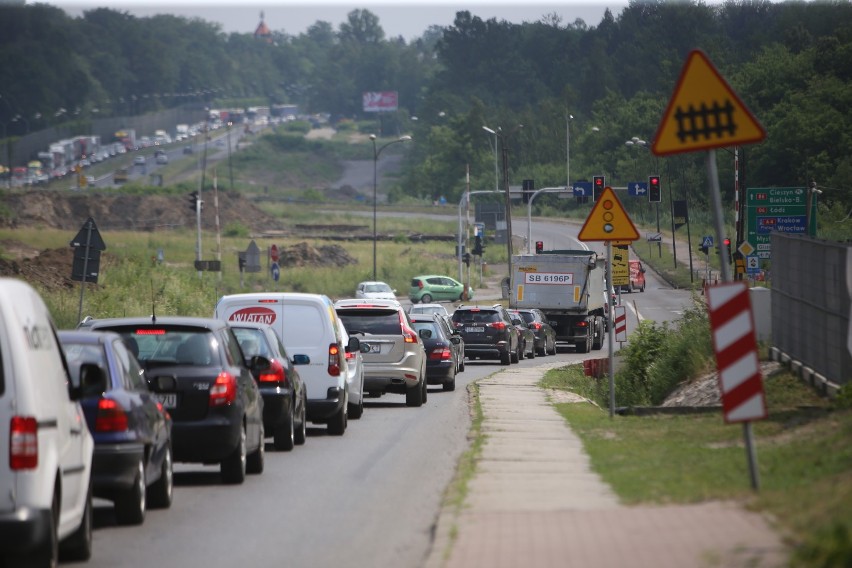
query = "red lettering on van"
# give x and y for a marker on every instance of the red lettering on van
(253, 315)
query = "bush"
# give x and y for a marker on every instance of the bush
(236, 230)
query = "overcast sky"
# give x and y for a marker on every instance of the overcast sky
(406, 19)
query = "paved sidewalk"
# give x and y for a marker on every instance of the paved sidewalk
(535, 502)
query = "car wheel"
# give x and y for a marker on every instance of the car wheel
(505, 358)
(78, 546)
(531, 354)
(450, 385)
(461, 365)
(337, 424)
(47, 552)
(257, 459)
(642, 289)
(130, 505)
(425, 388)
(284, 434)
(630, 287)
(426, 299)
(302, 432)
(160, 493)
(514, 357)
(233, 468)
(543, 351)
(553, 347)
(597, 342)
(414, 396)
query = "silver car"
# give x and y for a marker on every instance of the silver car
(394, 356)
(354, 375)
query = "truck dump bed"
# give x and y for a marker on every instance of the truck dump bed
(559, 281)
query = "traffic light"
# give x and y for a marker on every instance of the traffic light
(539, 247)
(598, 184)
(193, 201)
(727, 244)
(477, 245)
(654, 193)
(528, 187)
(466, 259)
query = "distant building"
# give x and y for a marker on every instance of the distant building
(262, 32)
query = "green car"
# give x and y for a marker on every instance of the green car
(434, 288)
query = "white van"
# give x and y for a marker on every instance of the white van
(307, 325)
(45, 489)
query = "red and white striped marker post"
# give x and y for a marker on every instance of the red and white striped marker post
(620, 323)
(740, 381)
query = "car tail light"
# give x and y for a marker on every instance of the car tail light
(441, 354)
(224, 390)
(350, 356)
(582, 323)
(420, 284)
(408, 334)
(111, 417)
(498, 325)
(536, 325)
(334, 360)
(23, 443)
(275, 374)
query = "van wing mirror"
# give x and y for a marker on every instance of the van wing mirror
(354, 345)
(93, 380)
(301, 359)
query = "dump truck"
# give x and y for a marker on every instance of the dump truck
(568, 286)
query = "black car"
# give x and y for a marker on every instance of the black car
(525, 335)
(545, 335)
(199, 374)
(281, 387)
(442, 358)
(132, 462)
(488, 333)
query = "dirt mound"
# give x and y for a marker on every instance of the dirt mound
(65, 211)
(50, 269)
(303, 254)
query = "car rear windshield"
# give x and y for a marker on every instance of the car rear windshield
(415, 283)
(529, 317)
(471, 316)
(371, 321)
(163, 345)
(252, 342)
(431, 326)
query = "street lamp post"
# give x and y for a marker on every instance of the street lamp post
(376, 152)
(496, 168)
(568, 119)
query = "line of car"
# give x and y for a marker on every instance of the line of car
(143, 393)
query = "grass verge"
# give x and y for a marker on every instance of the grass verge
(803, 454)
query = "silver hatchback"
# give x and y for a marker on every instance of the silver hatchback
(395, 360)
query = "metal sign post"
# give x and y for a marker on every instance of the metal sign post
(611, 334)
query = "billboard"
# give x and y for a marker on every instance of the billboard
(380, 101)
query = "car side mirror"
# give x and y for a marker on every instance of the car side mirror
(455, 339)
(93, 380)
(354, 345)
(301, 359)
(425, 333)
(258, 364)
(163, 383)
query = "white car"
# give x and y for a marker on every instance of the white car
(375, 291)
(429, 309)
(47, 449)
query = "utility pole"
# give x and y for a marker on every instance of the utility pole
(505, 153)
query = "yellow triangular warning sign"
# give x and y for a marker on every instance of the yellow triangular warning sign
(704, 113)
(608, 221)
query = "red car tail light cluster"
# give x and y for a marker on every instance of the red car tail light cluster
(224, 390)
(23, 443)
(111, 417)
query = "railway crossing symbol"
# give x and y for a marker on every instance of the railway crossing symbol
(732, 324)
(704, 113)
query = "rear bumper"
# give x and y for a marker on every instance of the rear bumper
(485, 350)
(24, 530)
(320, 410)
(209, 440)
(276, 407)
(392, 377)
(438, 372)
(114, 467)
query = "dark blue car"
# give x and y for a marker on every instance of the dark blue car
(442, 356)
(132, 463)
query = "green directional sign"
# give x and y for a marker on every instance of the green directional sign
(782, 209)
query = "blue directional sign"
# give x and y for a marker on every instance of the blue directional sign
(637, 188)
(582, 188)
(276, 271)
(707, 242)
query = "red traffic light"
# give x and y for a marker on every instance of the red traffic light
(655, 180)
(539, 247)
(727, 242)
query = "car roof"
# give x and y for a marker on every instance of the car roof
(186, 321)
(424, 317)
(86, 337)
(367, 303)
(432, 276)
